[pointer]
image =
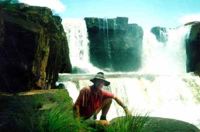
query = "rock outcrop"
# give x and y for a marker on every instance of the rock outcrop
(160, 33)
(33, 47)
(193, 48)
(115, 45)
(152, 124)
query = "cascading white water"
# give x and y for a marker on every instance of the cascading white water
(167, 92)
(165, 58)
(170, 96)
(76, 32)
(77, 38)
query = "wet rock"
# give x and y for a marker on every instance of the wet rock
(33, 47)
(193, 48)
(160, 33)
(115, 44)
(153, 124)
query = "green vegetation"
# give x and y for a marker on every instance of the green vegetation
(128, 124)
(45, 112)
(51, 111)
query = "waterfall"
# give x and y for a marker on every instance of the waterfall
(162, 88)
(157, 57)
(104, 25)
(106, 31)
(170, 96)
(76, 32)
(77, 38)
(165, 58)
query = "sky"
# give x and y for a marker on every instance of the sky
(147, 13)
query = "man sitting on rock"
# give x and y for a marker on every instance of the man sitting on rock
(93, 98)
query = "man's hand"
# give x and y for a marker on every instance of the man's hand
(128, 113)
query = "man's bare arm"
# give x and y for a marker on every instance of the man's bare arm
(122, 105)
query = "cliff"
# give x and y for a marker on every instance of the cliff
(115, 45)
(33, 48)
(193, 48)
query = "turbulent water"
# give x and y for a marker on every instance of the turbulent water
(170, 96)
(161, 88)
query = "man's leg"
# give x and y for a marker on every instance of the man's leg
(105, 108)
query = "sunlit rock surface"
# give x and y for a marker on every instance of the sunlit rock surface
(33, 47)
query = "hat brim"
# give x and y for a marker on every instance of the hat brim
(106, 83)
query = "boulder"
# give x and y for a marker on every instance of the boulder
(114, 44)
(33, 47)
(151, 124)
(156, 124)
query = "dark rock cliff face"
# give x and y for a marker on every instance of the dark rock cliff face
(33, 48)
(115, 45)
(160, 33)
(193, 48)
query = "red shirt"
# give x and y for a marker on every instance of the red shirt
(89, 100)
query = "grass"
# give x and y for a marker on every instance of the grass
(51, 111)
(47, 112)
(128, 124)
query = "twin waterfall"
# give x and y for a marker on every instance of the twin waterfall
(161, 88)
